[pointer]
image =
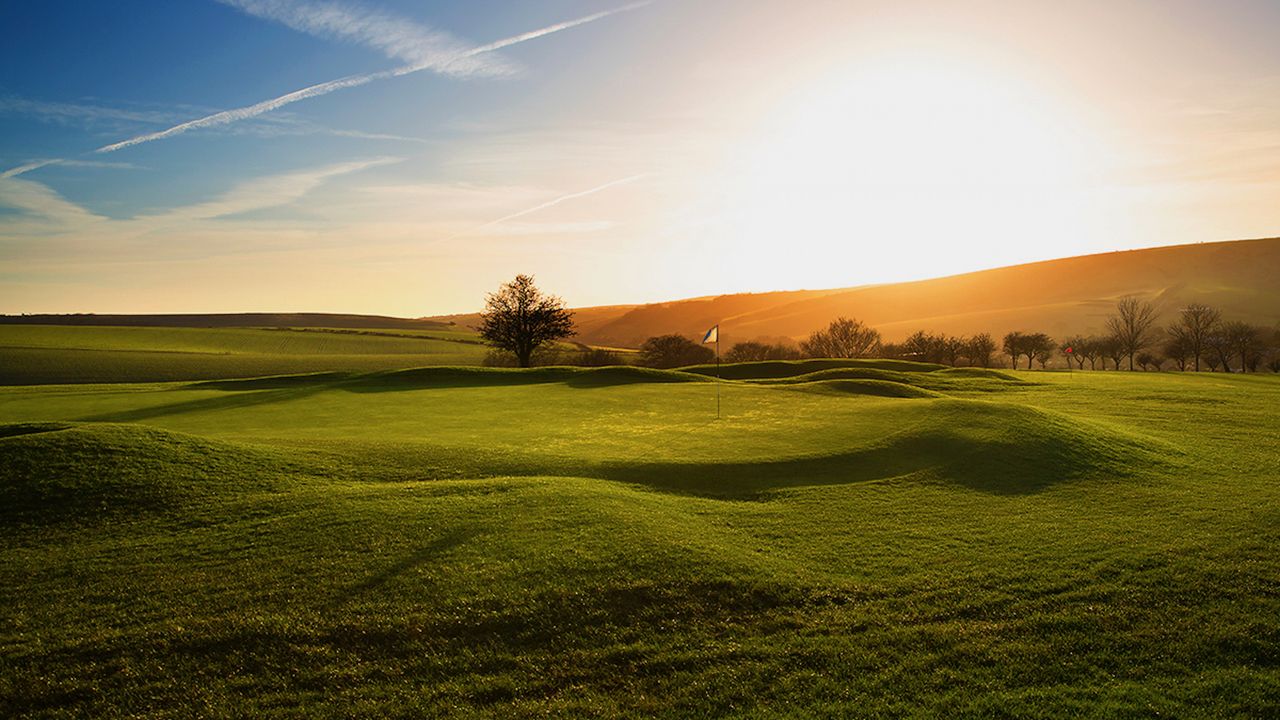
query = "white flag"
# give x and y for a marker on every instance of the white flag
(712, 335)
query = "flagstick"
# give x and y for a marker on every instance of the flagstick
(717, 371)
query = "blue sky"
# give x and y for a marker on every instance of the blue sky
(667, 150)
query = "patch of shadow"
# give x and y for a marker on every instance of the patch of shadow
(418, 557)
(271, 382)
(230, 401)
(876, 388)
(16, 429)
(775, 369)
(456, 377)
(1009, 463)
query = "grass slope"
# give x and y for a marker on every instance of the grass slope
(221, 320)
(573, 542)
(31, 354)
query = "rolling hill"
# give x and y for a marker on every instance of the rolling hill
(1060, 297)
(849, 539)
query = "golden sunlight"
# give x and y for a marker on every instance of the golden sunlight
(930, 154)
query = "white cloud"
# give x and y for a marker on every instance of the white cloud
(262, 193)
(66, 113)
(431, 61)
(549, 204)
(42, 211)
(435, 62)
(398, 38)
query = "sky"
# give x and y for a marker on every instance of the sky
(405, 157)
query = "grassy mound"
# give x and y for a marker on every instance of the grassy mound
(908, 384)
(1094, 543)
(1000, 448)
(791, 368)
(875, 387)
(453, 377)
(58, 472)
(981, 374)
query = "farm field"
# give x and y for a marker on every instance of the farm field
(38, 354)
(850, 538)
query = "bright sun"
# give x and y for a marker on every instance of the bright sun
(937, 167)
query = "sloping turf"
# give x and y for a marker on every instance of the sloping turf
(570, 542)
(31, 354)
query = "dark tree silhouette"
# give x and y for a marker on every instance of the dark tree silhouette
(1178, 348)
(1218, 349)
(1131, 325)
(757, 351)
(1246, 343)
(1149, 361)
(1090, 348)
(1014, 345)
(670, 351)
(519, 318)
(1195, 323)
(925, 347)
(1041, 348)
(979, 349)
(1110, 347)
(843, 338)
(1073, 349)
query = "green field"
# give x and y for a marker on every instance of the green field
(31, 354)
(851, 538)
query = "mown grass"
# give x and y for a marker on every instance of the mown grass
(572, 542)
(39, 354)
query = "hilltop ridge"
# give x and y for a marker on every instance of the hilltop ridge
(1061, 297)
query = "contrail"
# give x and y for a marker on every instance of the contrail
(547, 204)
(14, 172)
(324, 88)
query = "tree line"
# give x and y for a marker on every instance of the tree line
(526, 327)
(1198, 338)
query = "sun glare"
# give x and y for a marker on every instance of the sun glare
(928, 160)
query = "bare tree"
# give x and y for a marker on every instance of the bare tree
(1090, 348)
(1218, 349)
(1014, 345)
(1041, 348)
(1246, 343)
(757, 351)
(1178, 348)
(980, 349)
(1195, 323)
(1131, 325)
(1149, 361)
(670, 351)
(843, 338)
(925, 347)
(1109, 347)
(519, 318)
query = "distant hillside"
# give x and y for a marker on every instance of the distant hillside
(1056, 296)
(218, 320)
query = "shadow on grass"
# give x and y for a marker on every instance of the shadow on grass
(995, 468)
(975, 451)
(456, 377)
(421, 556)
(282, 388)
(271, 382)
(229, 401)
(16, 429)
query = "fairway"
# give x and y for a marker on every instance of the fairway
(856, 538)
(38, 354)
